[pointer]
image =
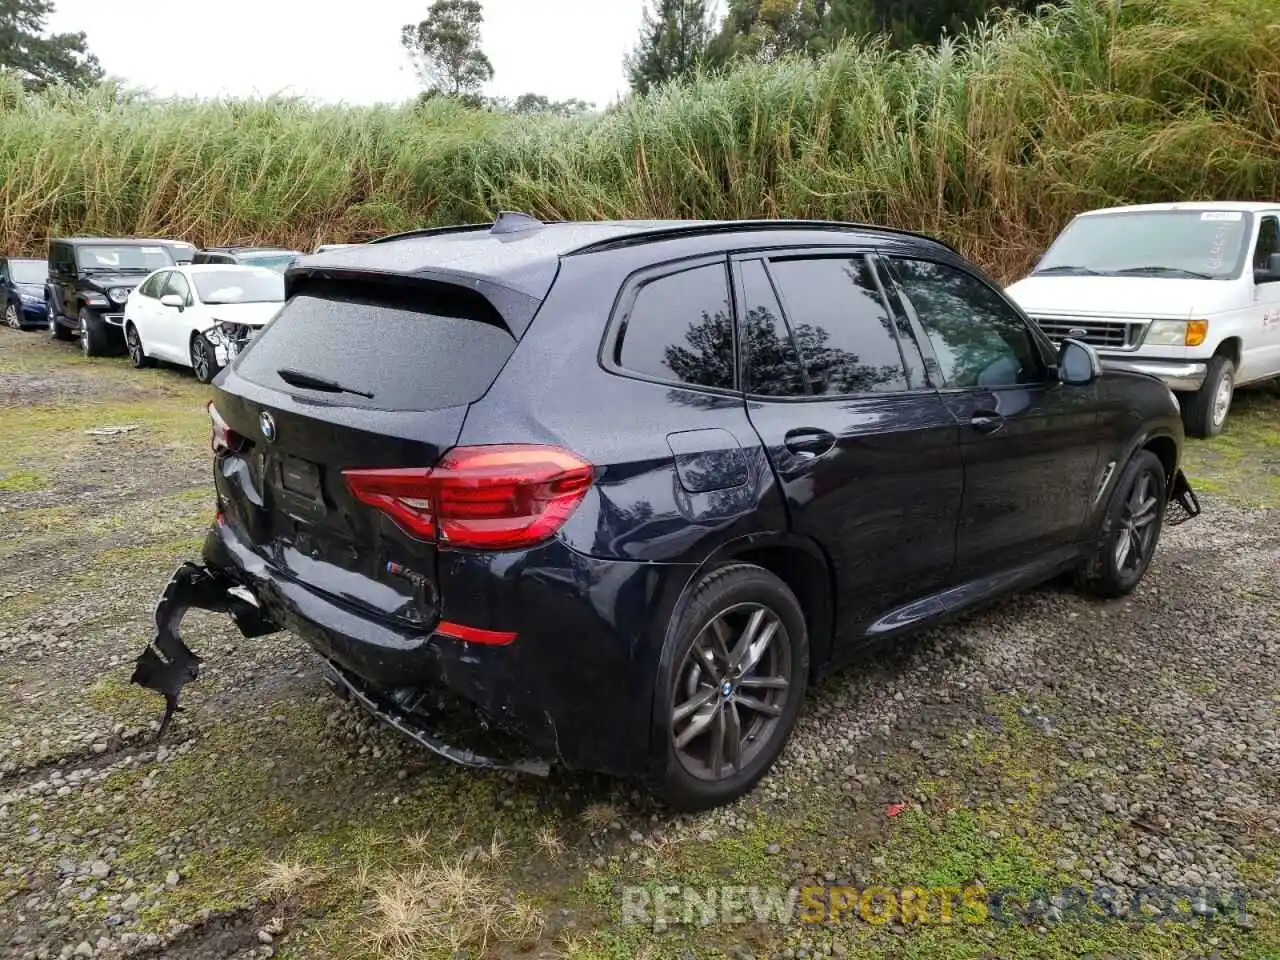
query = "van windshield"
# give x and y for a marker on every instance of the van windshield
(1175, 244)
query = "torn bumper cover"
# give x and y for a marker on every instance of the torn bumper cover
(168, 664)
(1183, 503)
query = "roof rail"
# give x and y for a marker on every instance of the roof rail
(699, 228)
(433, 232)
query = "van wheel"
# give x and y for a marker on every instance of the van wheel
(93, 334)
(203, 363)
(1131, 530)
(133, 343)
(1205, 412)
(734, 673)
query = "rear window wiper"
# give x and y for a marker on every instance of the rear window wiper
(308, 381)
(1068, 268)
(1172, 271)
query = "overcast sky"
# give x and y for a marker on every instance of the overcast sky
(344, 50)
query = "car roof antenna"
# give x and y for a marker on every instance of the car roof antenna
(510, 221)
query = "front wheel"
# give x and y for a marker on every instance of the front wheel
(93, 334)
(1205, 412)
(137, 355)
(12, 318)
(203, 363)
(1131, 529)
(734, 673)
(56, 330)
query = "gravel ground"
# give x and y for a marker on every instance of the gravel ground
(1048, 742)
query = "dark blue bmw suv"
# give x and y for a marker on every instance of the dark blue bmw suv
(623, 490)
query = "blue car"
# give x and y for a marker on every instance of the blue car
(23, 284)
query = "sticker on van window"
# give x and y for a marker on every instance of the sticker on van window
(1230, 216)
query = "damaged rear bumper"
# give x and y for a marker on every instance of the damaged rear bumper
(168, 664)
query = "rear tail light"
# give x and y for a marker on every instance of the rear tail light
(496, 498)
(224, 439)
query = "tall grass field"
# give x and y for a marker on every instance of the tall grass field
(990, 143)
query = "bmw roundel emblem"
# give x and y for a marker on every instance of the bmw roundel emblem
(268, 425)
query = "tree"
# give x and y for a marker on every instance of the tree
(673, 42)
(537, 103)
(445, 48)
(41, 61)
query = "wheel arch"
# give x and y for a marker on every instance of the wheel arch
(797, 561)
(1232, 348)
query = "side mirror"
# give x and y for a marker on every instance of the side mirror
(1078, 363)
(173, 300)
(1270, 273)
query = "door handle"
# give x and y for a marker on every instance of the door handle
(809, 444)
(986, 421)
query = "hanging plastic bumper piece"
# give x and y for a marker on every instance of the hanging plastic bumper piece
(167, 665)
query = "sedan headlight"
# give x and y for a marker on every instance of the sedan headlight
(119, 294)
(1177, 333)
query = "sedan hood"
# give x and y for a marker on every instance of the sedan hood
(31, 289)
(249, 314)
(1153, 298)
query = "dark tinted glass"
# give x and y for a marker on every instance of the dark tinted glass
(1268, 242)
(841, 326)
(979, 340)
(679, 329)
(770, 359)
(409, 359)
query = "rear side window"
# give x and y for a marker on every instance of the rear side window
(841, 325)
(679, 329)
(771, 363)
(421, 354)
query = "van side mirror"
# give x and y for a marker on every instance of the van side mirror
(1078, 363)
(1270, 273)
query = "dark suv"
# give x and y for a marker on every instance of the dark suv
(90, 278)
(626, 489)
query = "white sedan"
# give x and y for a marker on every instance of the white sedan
(199, 316)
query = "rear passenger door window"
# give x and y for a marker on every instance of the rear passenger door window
(840, 325)
(979, 340)
(770, 361)
(678, 329)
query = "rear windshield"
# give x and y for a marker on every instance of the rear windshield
(407, 358)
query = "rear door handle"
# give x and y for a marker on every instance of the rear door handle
(810, 443)
(985, 421)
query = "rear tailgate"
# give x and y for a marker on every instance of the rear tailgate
(350, 376)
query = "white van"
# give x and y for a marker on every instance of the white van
(1189, 292)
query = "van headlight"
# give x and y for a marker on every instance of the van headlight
(1177, 333)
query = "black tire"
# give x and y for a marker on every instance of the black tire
(94, 339)
(1203, 412)
(204, 362)
(12, 318)
(133, 344)
(1107, 573)
(56, 330)
(730, 707)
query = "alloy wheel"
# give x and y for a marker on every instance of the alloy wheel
(730, 691)
(200, 359)
(84, 336)
(134, 343)
(11, 317)
(1136, 531)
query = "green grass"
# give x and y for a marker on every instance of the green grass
(991, 143)
(21, 481)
